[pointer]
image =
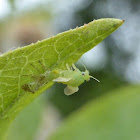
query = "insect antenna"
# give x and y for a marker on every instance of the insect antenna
(83, 64)
(94, 78)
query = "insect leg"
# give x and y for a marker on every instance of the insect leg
(36, 68)
(28, 88)
(43, 66)
(67, 65)
(74, 67)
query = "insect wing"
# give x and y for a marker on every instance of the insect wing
(70, 90)
(61, 79)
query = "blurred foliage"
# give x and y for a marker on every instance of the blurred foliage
(12, 4)
(27, 123)
(115, 116)
(26, 26)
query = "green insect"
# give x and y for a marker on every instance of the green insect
(72, 77)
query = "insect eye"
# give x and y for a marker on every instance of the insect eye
(83, 73)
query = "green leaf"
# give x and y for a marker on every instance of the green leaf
(28, 121)
(25, 65)
(115, 116)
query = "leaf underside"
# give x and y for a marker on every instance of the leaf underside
(21, 66)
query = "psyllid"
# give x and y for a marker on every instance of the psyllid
(73, 78)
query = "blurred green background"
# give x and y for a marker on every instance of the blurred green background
(115, 61)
